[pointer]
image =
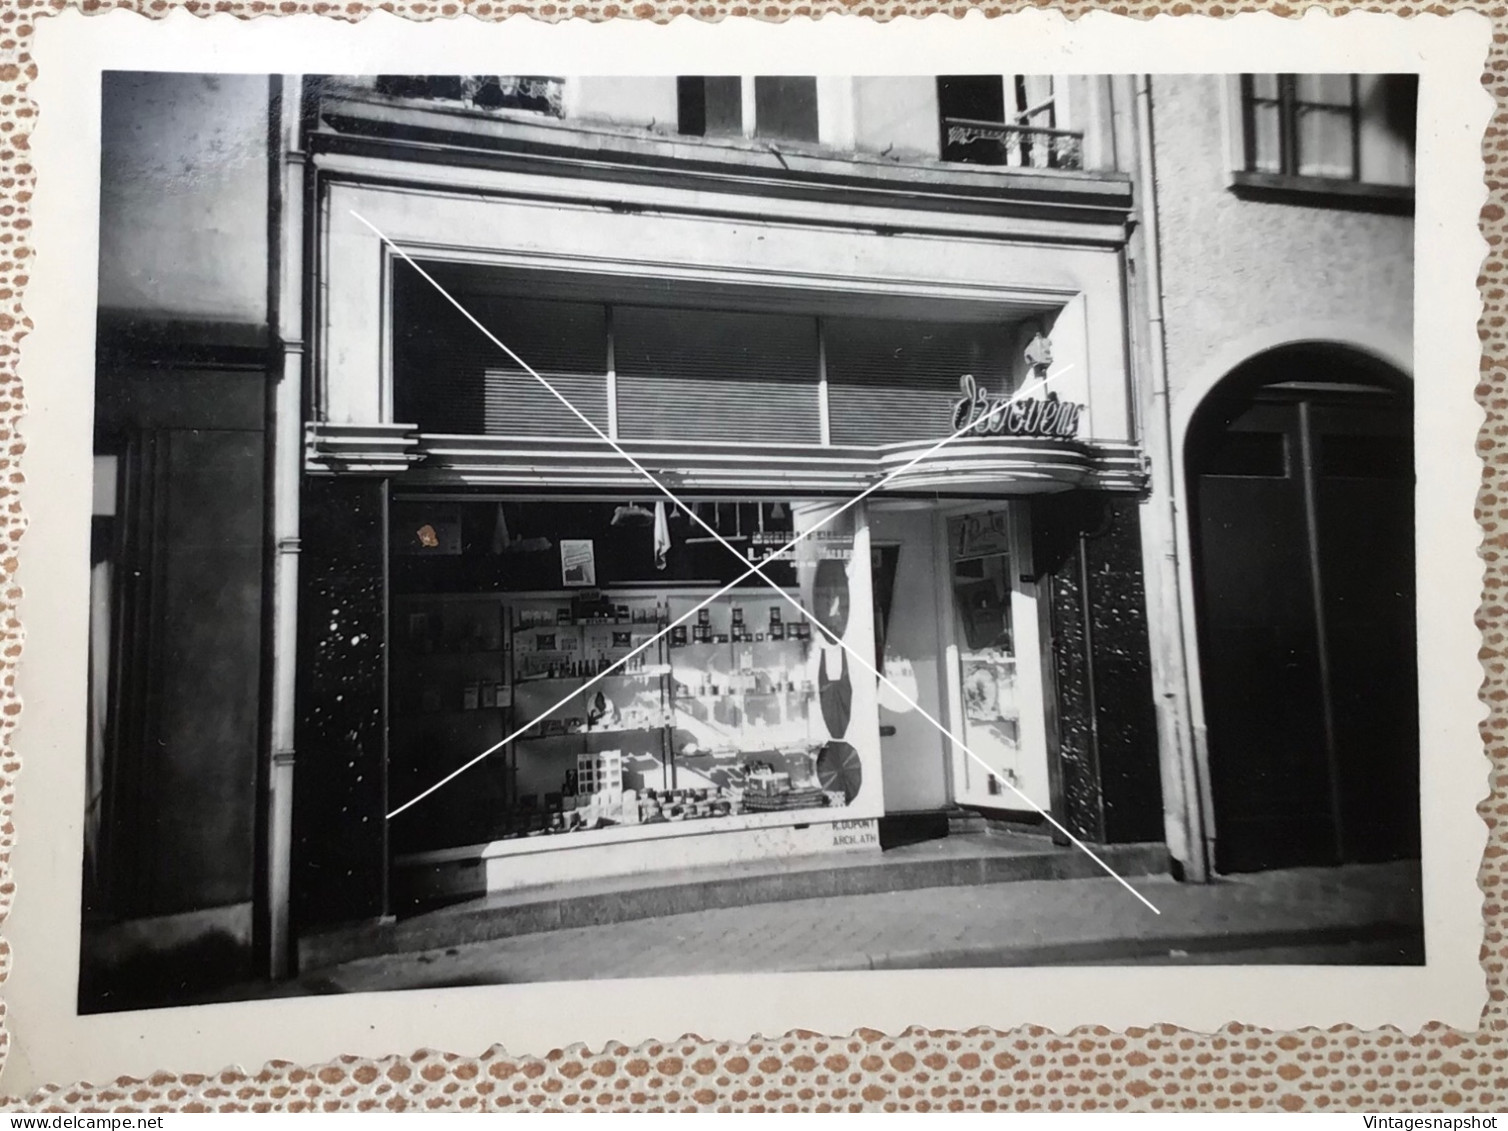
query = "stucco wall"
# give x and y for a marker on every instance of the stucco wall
(648, 102)
(183, 196)
(1244, 272)
(896, 116)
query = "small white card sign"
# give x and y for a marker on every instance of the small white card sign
(578, 562)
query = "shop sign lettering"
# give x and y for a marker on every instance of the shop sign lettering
(1030, 416)
(814, 545)
(853, 834)
(979, 535)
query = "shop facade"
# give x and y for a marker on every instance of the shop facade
(474, 555)
(772, 293)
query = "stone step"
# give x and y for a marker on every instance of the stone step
(966, 822)
(949, 862)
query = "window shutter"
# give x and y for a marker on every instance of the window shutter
(785, 108)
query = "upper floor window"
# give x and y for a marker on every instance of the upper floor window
(774, 107)
(1349, 136)
(1005, 120)
(534, 93)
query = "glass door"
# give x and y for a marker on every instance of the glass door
(995, 684)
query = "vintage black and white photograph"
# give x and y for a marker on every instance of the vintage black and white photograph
(554, 528)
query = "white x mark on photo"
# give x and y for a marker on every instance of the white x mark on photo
(754, 570)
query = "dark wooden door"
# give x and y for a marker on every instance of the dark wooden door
(1304, 567)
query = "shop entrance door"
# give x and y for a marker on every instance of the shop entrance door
(993, 661)
(1304, 571)
(913, 754)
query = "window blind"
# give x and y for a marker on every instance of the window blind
(449, 378)
(892, 381)
(716, 375)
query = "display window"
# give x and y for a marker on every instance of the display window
(995, 673)
(623, 673)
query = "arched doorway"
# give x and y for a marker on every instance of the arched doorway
(1301, 484)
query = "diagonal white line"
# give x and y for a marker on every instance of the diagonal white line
(1048, 817)
(1000, 406)
(755, 570)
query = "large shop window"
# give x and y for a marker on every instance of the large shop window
(505, 613)
(677, 373)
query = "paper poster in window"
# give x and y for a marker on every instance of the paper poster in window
(578, 562)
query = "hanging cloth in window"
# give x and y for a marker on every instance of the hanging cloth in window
(662, 536)
(501, 539)
(836, 696)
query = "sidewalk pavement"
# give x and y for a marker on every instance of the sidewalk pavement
(1355, 914)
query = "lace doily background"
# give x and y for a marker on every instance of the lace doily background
(1238, 1068)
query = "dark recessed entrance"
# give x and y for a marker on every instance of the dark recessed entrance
(1300, 469)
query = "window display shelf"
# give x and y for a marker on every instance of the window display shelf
(720, 697)
(622, 732)
(549, 626)
(665, 729)
(648, 673)
(767, 641)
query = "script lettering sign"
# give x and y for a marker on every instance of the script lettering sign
(1031, 416)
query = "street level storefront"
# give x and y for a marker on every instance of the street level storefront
(488, 586)
(634, 693)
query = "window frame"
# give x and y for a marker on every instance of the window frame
(748, 110)
(615, 294)
(1290, 186)
(541, 96)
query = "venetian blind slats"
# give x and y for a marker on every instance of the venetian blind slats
(682, 375)
(892, 381)
(451, 379)
(716, 375)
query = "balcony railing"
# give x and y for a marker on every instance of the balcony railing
(535, 93)
(1013, 144)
